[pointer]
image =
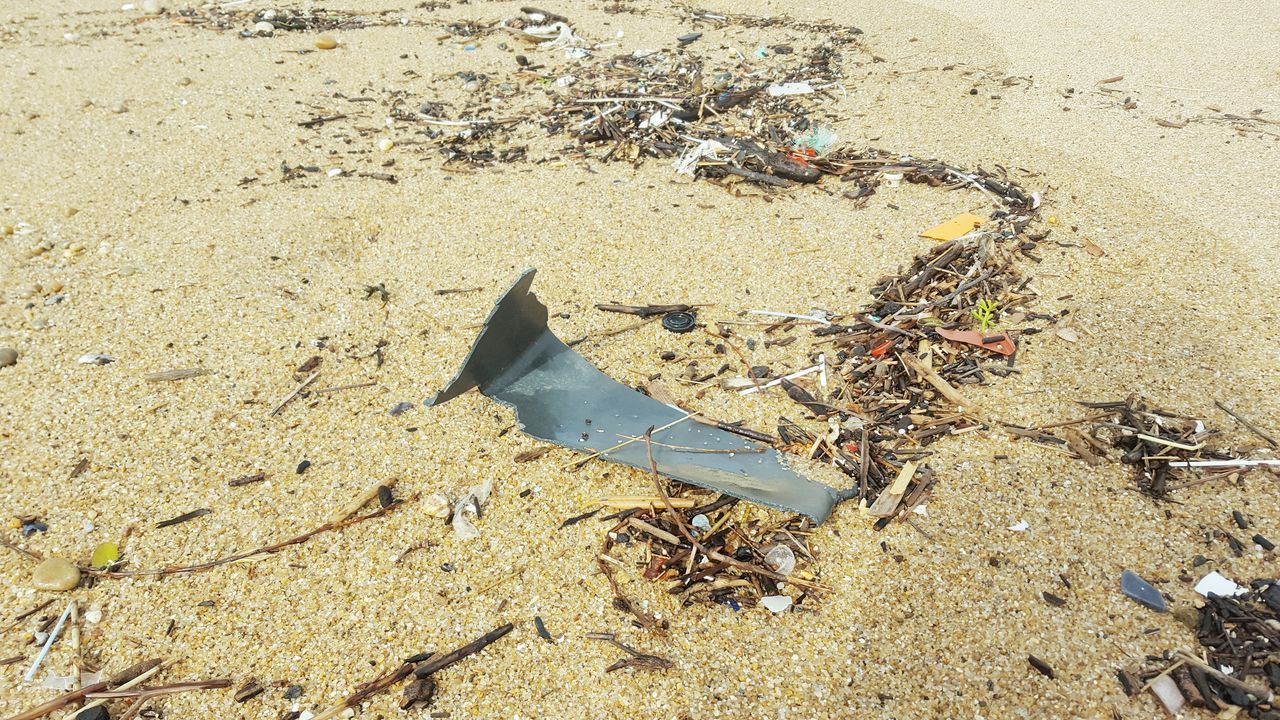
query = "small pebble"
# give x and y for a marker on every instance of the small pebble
(94, 713)
(326, 42)
(385, 144)
(8, 356)
(55, 574)
(151, 7)
(302, 466)
(120, 107)
(93, 615)
(293, 692)
(264, 28)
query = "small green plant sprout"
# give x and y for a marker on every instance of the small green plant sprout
(985, 313)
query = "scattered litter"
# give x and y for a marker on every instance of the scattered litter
(1140, 591)
(1020, 526)
(958, 226)
(1216, 584)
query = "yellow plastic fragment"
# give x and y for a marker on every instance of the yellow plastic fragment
(954, 228)
(104, 555)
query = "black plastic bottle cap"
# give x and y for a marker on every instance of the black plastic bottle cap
(679, 321)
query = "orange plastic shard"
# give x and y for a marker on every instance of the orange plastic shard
(995, 342)
(955, 227)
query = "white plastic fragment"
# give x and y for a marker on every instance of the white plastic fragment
(334, 172)
(1215, 583)
(53, 681)
(95, 359)
(778, 381)
(791, 88)
(687, 163)
(656, 120)
(53, 635)
(1166, 691)
(776, 603)
(1221, 463)
(470, 503)
(1020, 526)
(794, 316)
(780, 559)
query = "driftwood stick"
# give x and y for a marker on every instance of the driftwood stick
(439, 663)
(367, 689)
(59, 702)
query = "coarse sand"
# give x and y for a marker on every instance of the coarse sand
(147, 153)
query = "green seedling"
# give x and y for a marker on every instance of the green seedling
(985, 313)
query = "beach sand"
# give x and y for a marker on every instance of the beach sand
(185, 248)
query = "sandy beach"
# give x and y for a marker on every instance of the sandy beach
(167, 209)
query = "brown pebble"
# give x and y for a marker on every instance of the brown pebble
(55, 574)
(8, 356)
(326, 42)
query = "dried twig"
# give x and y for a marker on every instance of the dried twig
(262, 551)
(301, 386)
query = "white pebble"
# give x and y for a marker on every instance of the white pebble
(385, 144)
(264, 28)
(335, 172)
(93, 615)
(152, 7)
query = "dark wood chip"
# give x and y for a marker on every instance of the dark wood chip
(1041, 666)
(183, 518)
